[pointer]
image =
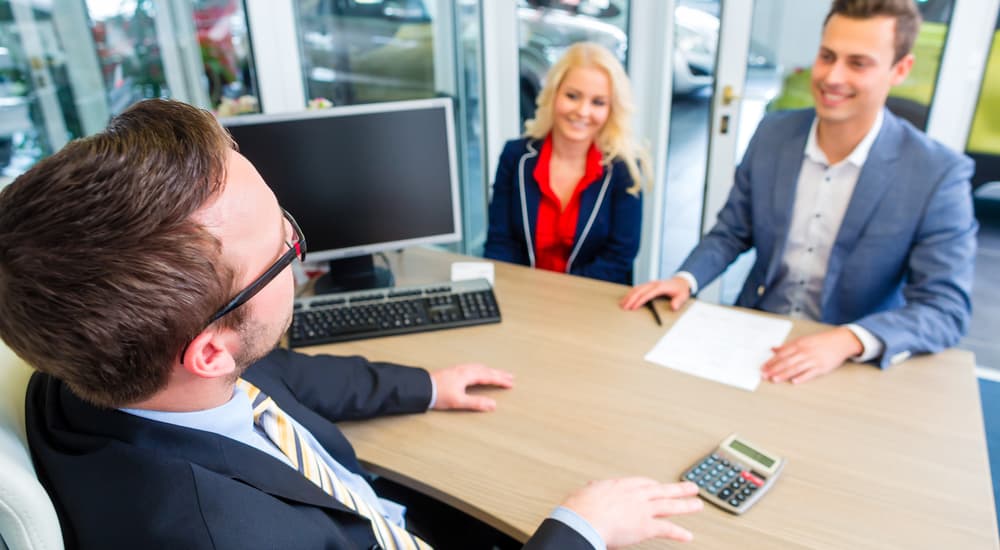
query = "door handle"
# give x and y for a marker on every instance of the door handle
(729, 95)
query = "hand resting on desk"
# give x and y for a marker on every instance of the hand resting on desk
(453, 383)
(675, 288)
(811, 356)
(630, 510)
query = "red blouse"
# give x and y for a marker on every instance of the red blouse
(555, 226)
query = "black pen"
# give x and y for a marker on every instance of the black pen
(656, 315)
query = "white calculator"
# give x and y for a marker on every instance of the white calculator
(735, 475)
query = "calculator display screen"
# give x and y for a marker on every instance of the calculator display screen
(763, 459)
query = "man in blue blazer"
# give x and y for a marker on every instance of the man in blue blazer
(857, 218)
(145, 272)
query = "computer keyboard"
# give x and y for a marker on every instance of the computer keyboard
(329, 318)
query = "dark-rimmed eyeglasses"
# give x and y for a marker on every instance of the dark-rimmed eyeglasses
(296, 249)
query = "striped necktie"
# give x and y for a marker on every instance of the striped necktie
(278, 427)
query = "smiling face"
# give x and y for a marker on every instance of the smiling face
(854, 70)
(582, 105)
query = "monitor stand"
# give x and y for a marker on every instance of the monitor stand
(355, 273)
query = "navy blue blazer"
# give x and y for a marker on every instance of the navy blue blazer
(121, 481)
(607, 232)
(902, 262)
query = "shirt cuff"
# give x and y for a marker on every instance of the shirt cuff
(692, 282)
(434, 394)
(872, 347)
(580, 525)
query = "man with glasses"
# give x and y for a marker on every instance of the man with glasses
(144, 272)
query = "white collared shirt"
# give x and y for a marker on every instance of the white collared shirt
(823, 193)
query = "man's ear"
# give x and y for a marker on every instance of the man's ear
(902, 69)
(210, 354)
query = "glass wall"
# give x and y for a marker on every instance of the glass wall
(548, 27)
(66, 66)
(360, 51)
(37, 109)
(226, 56)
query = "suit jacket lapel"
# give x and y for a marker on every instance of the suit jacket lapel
(532, 193)
(871, 186)
(786, 179)
(211, 451)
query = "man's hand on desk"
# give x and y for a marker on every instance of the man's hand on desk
(453, 383)
(811, 356)
(675, 288)
(630, 510)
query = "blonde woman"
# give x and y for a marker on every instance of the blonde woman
(567, 195)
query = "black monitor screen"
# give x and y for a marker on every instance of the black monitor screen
(359, 179)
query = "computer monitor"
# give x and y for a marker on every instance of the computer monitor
(359, 180)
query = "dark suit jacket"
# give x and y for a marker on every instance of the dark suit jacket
(902, 262)
(607, 231)
(120, 481)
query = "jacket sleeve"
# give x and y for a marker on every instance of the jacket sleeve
(732, 234)
(556, 535)
(939, 275)
(614, 261)
(347, 388)
(502, 242)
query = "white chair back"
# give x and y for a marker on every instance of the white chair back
(28, 520)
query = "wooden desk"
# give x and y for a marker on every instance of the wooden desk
(893, 459)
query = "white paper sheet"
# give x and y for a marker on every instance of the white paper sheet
(720, 344)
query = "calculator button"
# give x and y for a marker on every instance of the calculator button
(691, 476)
(752, 479)
(714, 456)
(700, 482)
(735, 470)
(725, 462)
(734, 502)
(746, 492)
(709, 460)
(736, 484)
(740, 497)
(725, 493)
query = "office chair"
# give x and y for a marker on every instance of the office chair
(28, 520)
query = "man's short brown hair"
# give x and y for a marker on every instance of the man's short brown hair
(104, 276)
(905, 13)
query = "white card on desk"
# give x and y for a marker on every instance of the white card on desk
(464, 271)
(720, 344)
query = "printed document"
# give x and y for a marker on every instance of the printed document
(720, 344)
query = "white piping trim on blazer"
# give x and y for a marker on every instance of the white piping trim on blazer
(524, 206)
(590, 222)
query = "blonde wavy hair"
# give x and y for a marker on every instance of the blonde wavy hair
(615, 140)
